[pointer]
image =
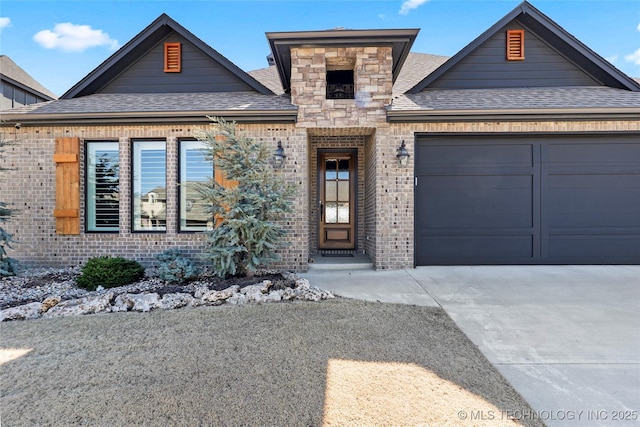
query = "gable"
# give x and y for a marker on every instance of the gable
(198, 73)
(551, 58)
(487, 65)
(138, 67)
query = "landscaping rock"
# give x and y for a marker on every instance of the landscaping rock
(50, 302)
(238, 299)
(59, 295)
(22, 312)
(86, 305)
(215, 296)
(137, 302)
(274, 296)
(253, 293)
(122, 303)
(179, 300)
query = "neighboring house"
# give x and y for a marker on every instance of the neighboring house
(524, 148)
(19, 88)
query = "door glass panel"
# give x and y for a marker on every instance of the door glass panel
(331, 169)
(343, 191)
(331, 213)
(330, 191)
(343, 169)
(337, 191)
(343, 213)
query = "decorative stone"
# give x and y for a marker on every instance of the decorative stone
(238, 299)
(86, 305)
(274, 296)
(266, 285)
(200, 291)
(178, 300)
(50, 302)
(22, 312)
(137, 302)
(253, 293)
(122, 303)
(225, 294)
(289, 294)
(65, 299)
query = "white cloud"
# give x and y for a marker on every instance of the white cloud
(4, 22)
(70, 37)
(638, 27)
(410, 5)
(634, 57)
(613, 58)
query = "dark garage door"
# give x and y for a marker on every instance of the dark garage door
(527, 200)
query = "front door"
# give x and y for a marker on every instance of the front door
(337, 199)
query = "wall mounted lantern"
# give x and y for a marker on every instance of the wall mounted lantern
(279, 156)
(402, 155)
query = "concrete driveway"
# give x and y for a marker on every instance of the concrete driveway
(566, 337)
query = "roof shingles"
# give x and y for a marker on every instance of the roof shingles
(517, 99)
(163, 102)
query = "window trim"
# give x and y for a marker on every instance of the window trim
(86, 187)
(133, 185)
(181, 169)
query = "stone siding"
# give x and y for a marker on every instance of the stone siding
(373, 82)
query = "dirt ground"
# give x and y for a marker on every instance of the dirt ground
(333, 363)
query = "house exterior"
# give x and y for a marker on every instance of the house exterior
(524, 148)
(18, 88)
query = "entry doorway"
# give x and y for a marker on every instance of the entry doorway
(337, 183)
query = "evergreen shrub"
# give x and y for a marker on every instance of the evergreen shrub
(109, 272)
(176, 268)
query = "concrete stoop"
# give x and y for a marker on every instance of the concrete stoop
(340, 261)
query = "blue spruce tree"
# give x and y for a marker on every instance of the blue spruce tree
(249, 207)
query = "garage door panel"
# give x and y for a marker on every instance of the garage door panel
(495, 250)
(583, 152)
(477, 201)
(461, 156)
(596, 249)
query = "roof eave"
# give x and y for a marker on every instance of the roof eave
(542, 114)
(253, 116)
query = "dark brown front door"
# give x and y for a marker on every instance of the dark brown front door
(337, 176)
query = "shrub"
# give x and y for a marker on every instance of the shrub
(109, 272)
(250, 208)
(174, 267)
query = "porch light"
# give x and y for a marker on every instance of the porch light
(402, 155)
(279, 156)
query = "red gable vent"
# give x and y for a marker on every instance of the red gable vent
(515, 45)
(172, 60)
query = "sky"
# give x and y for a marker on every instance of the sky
(59, 42)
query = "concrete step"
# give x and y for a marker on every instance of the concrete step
(355, 262)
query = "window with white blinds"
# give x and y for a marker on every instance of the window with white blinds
(149, 185)
(195, 171)
(103, 186)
